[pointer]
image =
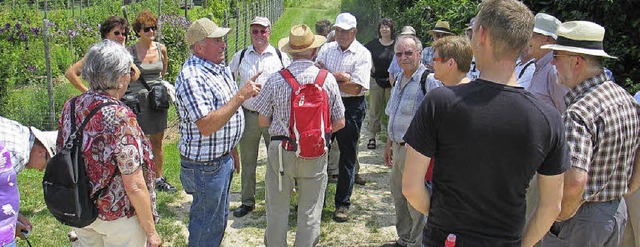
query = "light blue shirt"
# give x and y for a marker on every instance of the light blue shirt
(404, 101)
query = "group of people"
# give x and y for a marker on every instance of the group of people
(513, 135)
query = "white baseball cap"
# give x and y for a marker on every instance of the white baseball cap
(346, 21)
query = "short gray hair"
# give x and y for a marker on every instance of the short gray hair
(408, 36)
(105, 63)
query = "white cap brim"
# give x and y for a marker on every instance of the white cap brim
(592, 52)
(543, 32)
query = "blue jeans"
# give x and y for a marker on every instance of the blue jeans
(208, 183)
(355, 108)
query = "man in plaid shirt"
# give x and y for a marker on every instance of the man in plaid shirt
(602, 125)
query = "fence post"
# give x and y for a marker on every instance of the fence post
(47, 56)
(225, 23)
(247, 13)
(237, 23)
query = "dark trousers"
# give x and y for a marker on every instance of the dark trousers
(355, 108)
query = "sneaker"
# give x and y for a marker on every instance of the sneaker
(163, 185)
(341, 214)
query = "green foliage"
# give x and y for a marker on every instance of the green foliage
(421, 14)
(622, 23)
(34, 100)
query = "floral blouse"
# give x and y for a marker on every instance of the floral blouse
(112, 144)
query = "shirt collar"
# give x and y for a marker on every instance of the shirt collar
(584, 87)
(352, 47)
(544, 60)
(270, 49)
(215, 68)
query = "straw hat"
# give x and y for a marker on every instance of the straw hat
(546, 25)
(582, 37)
(408, 30)
(47, 138)
(204, 28)
(441, 27)
(300, 39)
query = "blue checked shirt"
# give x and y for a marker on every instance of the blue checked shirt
(602, 126)
(404, 102)
(274, 99)
(355, 60)
(18, 140)
(203, 87)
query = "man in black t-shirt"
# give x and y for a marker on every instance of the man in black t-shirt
(488, 138)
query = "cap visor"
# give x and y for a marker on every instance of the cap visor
(222, 31)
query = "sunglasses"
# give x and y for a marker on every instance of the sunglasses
(118, 33)
(437, 59)
(406, 53)
(256, 31)
(147, 29)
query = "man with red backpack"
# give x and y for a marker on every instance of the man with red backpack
(301, 106)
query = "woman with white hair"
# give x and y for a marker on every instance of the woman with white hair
(116, 153)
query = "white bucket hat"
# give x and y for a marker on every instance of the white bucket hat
(346, 21)
(408, 30)
(546, 24)
(582, 37)
(47, 138)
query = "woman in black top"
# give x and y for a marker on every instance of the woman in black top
(382, 52)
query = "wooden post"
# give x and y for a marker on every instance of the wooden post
(47, 55)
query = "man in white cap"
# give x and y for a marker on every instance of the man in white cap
(602, 125)
(442, 29)
(350, 63)
(211, 124)
(260, 56)
(26, 147)
(543, 83)
(480, 176)
(274, 105)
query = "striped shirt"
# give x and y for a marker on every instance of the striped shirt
(252, 63)
(602, 126)
(201, 88)
(18, 140)
(275, 98)
(427, 56)
(355, 60)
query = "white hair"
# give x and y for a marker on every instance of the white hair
(105, 63)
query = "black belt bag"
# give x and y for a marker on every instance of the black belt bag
(383, 82)
(158, 96)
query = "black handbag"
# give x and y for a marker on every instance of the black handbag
(383, 82)
(158, 96)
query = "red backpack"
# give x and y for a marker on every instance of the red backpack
(310, 122)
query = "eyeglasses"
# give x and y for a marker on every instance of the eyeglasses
(147, 29)
(118, 33)
(256, 31)
(406, 53)
(437, 59)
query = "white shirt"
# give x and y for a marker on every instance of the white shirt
(355, 60)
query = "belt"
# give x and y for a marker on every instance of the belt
(197, 161)
(353, 97)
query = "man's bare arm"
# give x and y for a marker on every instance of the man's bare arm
(345, 84)
(548, 209)
(415, 167)
(575, 180)
(634, 180)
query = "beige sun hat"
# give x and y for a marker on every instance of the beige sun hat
(582, 37)
(408, 30)
(47, 138)
(546, 24)
(441, 27)
(204, 28)
(260, 20)
(300, 39)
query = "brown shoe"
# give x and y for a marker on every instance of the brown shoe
(359, 180)
(341, 215)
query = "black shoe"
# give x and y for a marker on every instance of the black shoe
(242, 211)
(165, 186)
(359, 180)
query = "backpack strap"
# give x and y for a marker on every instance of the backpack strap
(241, 56)
(74, 131)
(321, 76)
(525, 68)
(279, 53)
(423, 82)
(286, 74)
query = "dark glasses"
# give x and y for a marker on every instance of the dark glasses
(118, 33)
(437, 59)
(256, 31)
(406, 53)
(147, 29)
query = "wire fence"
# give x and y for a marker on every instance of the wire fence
(37, 52)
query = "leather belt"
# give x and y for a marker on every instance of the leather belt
(197, 161)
